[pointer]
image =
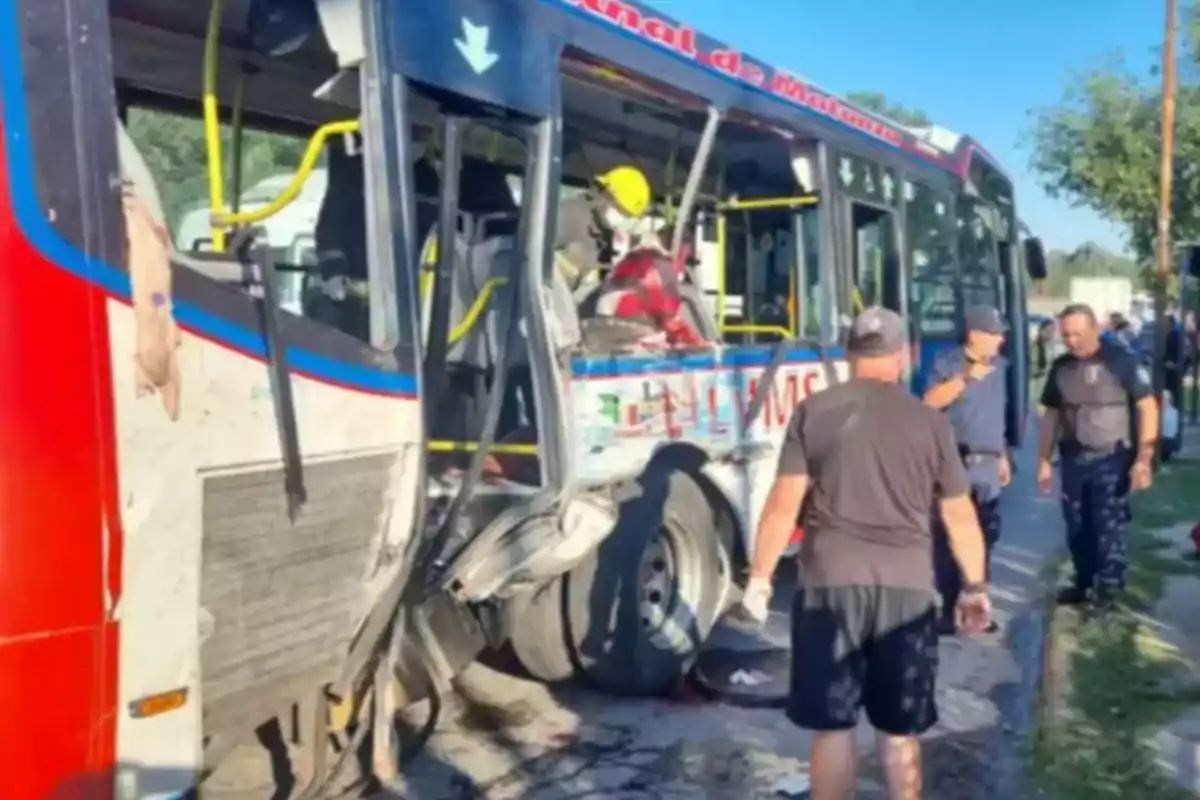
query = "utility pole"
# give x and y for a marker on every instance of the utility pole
(1163, 259)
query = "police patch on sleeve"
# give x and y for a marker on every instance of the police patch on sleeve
(1143, 376)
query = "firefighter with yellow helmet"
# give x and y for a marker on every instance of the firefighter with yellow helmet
(587, 221)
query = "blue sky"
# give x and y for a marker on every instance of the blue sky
(976, 67)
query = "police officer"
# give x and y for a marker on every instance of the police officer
(867, 460)
(1094, 394)
(969, 382)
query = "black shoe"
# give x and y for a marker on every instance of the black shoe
(1072, 596)
(947, 627)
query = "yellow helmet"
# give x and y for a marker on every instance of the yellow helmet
(628, 188)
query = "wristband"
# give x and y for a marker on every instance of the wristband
(975, 588)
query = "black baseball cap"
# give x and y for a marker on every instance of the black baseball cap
(985, 319)
(877, 332)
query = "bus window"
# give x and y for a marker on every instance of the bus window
(172, 145)
(759, 276)
(813, 295)
(875, 257)
(317, 241)
(628, 146)
(764, 274)
(873, 194)
(933, 286)
(977, 250)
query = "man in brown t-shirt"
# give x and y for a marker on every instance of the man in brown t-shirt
(873, 462)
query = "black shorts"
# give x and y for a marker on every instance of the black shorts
(871, 647)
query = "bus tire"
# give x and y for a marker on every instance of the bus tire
(538, 635)
(632, 617)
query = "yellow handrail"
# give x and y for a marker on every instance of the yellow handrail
(312, 154)
(473, 313)
(777, 329)
(449, 446)
(221, 218)
(471, 317)
(212, 123)
(762, 203)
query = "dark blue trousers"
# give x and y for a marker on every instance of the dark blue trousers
(945, 569)
(1095, 502)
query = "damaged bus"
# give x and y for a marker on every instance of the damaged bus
(260, 489)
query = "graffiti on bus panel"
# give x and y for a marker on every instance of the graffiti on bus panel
(625, 417)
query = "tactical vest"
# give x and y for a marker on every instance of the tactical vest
(1095, 413)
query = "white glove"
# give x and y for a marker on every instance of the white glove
(756, 600)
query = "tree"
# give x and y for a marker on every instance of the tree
(1090, 260)
(878, 103)
(1099, 148)
(173, 146)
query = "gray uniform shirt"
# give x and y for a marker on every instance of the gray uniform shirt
(978, 418)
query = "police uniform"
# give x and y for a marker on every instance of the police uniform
(978, 419)
(1095, 398)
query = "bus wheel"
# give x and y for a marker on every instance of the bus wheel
(632, 617)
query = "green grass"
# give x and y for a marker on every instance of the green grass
(1125, 682)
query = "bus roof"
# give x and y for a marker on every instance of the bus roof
(933, 143)
(520, 41)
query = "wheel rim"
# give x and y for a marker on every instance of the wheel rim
(657, 572)
(669, 579)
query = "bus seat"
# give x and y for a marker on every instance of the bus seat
(471, 361)
(341, 235)
(490, 254)
(477, 264)
(425, 187)
(341, 230)
(485, 189)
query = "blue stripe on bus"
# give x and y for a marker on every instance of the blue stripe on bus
(733, 358)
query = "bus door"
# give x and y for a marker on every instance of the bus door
(869, 218)
(1013, 308)
(934, 288)
(478, 366)
(989, 279)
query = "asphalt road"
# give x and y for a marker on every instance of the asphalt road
(501, 737)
